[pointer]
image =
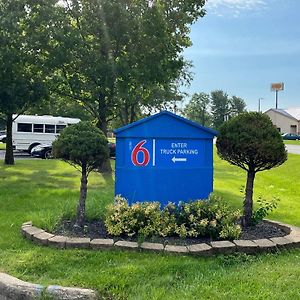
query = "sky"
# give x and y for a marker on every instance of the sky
(242, 46)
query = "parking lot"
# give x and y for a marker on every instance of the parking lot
(295, 149)
(17, 155)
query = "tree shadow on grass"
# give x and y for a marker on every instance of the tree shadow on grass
(109, 178)
(234, 199)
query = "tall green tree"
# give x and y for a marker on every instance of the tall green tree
(116, 56)
(198, 109)
(220, 108)
(224, 107)
(24, 37)
(237, 106)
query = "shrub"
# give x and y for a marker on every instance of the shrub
(167, 223)
(251, 142)
(264, 208)
(206, 218)
(140, 218)
(202, 218)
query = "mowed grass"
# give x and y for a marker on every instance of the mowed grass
(2, 146)
(43, 191)
(282, 183)
(292, 142)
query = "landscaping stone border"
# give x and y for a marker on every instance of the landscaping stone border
(12, 288)
(290, 240)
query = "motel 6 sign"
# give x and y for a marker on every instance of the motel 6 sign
(174, 153)
(164, 158)
(137, 151)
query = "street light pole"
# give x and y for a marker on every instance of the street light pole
(276, 99)
(259, 99)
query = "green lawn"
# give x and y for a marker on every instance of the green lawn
(282, 182)
(42, 191)
(292, 142)
(2, 146)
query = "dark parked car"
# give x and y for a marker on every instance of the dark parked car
(45, 150)
(291, 136)
(112, 149)
(42, 151)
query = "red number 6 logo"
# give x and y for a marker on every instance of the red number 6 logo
(135, 152)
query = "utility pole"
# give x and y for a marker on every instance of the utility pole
(259, 99)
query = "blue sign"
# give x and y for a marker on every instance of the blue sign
(164, 158)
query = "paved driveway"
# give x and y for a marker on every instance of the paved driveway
(295, 149)
(17, 155)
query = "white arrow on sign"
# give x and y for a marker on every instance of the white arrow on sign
(175, 159)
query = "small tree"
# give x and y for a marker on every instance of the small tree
(85, 147)
(251, 142)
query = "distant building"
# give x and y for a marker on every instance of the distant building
(286, 120)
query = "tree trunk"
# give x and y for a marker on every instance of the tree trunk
(102, 113)
(248, 202)
(82, 199)
(106, 166)
(203, 117)
(124, 114)
(132, 113)
(102, 124)
(9, 154)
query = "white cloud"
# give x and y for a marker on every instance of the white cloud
(221, 7)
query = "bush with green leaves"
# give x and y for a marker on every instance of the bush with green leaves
(212, 218)
(202, 218)
(140, 218)
(264, 208)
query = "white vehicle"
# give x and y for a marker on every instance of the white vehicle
(30, 131)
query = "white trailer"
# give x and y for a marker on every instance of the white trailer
(30, 131)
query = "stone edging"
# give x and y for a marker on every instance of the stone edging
(12, 288)
(290, 240)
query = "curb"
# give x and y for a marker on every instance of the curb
(12, 288)
(290, 240)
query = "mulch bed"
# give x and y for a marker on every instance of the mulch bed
(97, 229)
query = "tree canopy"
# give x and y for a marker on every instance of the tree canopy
(118, 56)
(213, 109)
(198, 109)
(23, 56)
(251, 142)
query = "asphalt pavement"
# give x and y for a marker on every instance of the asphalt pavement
(17, 155)
(295, 149)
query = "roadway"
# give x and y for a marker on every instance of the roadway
(17, 155)
(295, 149)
